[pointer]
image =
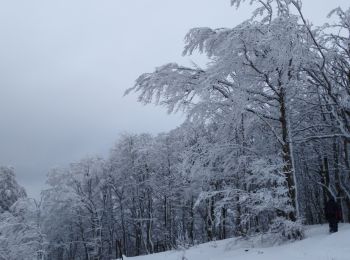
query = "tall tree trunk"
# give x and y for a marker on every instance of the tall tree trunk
(191, 224)
(347, 166)
(223, 223)
(166, 235)
(288, 167)
(325, 179)
(150, 244)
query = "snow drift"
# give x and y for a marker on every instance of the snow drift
(318, 245)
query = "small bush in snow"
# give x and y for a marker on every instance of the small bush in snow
(283, 230)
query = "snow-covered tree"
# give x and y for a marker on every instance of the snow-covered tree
(10, 190)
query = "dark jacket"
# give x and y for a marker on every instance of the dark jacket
(332, 210)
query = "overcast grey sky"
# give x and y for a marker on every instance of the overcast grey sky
(65, 64)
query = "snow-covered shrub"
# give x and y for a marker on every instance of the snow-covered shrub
(280, 231)
(183, 242)
(21, 236)
(10, 190)
(284, 229)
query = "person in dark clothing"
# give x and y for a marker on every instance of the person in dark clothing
(333, 214)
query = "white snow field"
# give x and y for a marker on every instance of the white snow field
(318, 245)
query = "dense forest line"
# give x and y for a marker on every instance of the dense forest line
(264, 146)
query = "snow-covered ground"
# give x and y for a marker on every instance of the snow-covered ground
(318, 245)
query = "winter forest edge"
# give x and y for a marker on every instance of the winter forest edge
(264, 146)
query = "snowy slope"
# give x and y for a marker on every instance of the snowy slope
(318, 245)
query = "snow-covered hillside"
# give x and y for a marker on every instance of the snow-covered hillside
(318, 245)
